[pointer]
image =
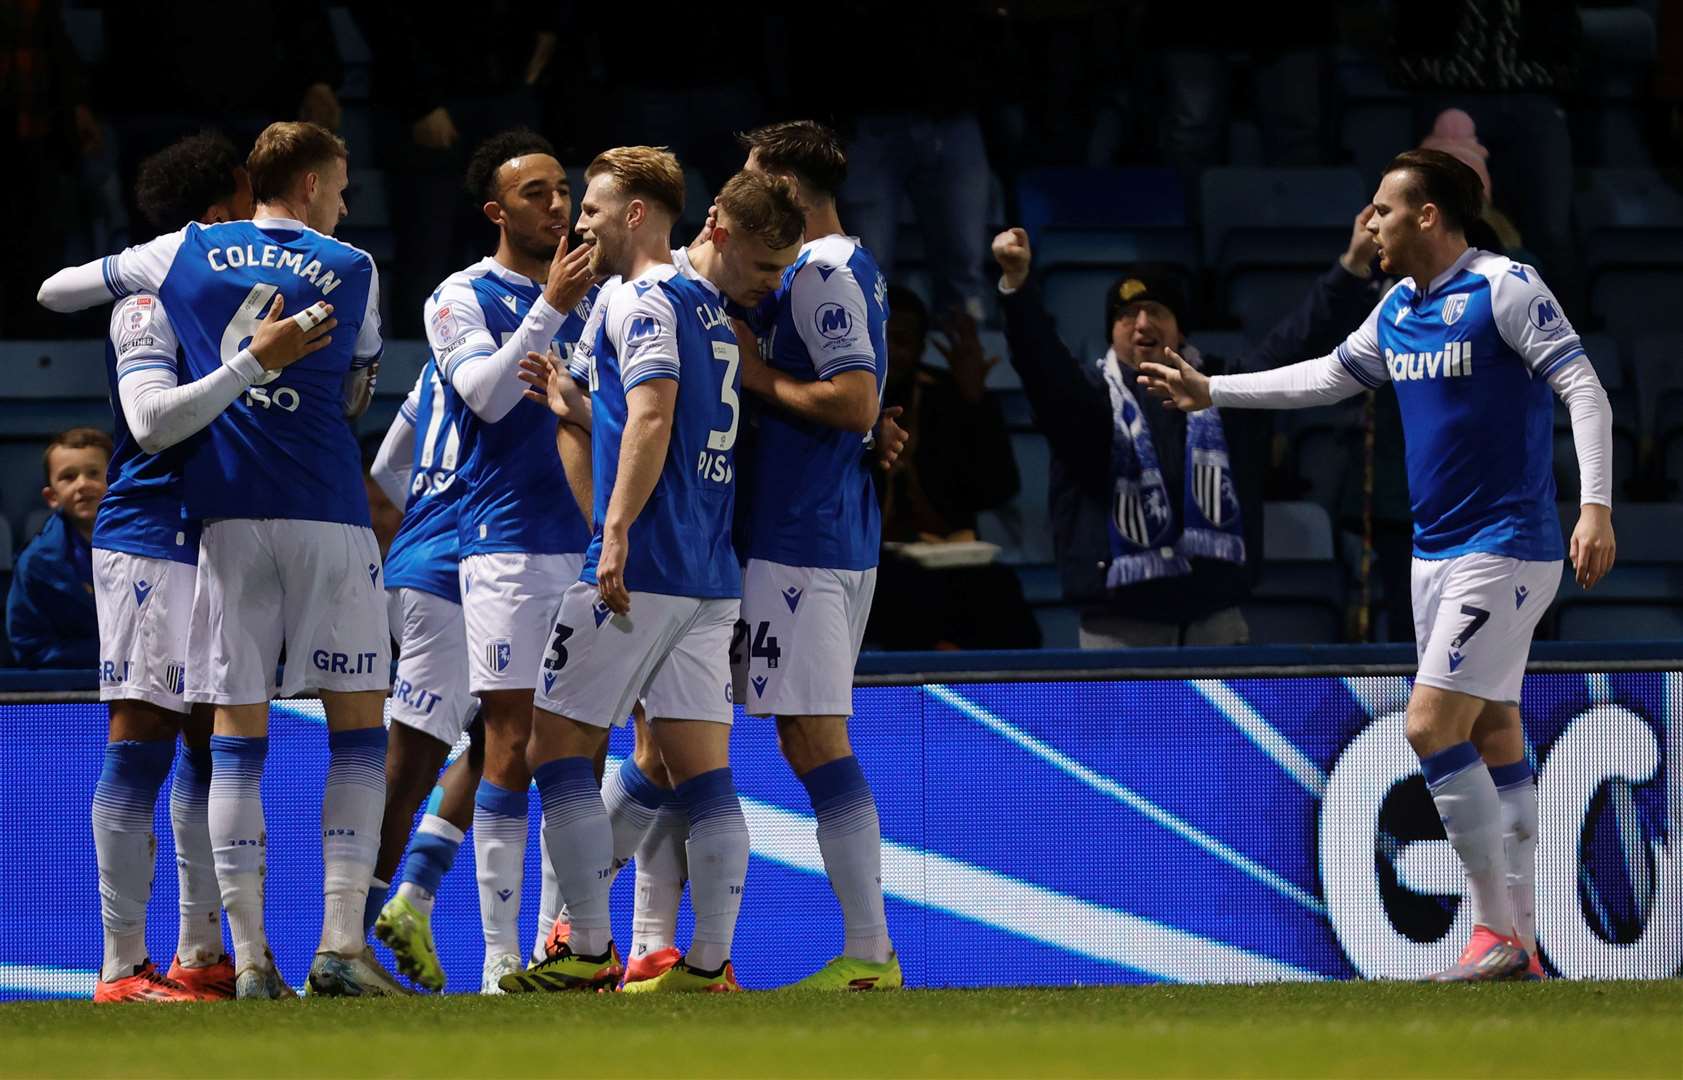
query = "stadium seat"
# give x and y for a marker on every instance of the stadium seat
(1041, 583)
(1272, 216)
(1648, 532)
(1292, 622)
(1301, 588)
(1075, 300)
(1320, 459)
(1374, 132)
(1060, 626)
(1629, 218)
(1100, 198)
(1620, 622)
(1023, 528)
(1058, 247)
(1224, 344)
(1637, 300)
(1260, 296)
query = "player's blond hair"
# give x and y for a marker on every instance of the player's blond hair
(646, 172)
(285, 151)
(764, 207)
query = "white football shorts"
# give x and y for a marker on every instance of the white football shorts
(430, 693)
(315, 587)
(508, 600)
(145, 608)
(1473, 620)
(802, 628)
(671, 651)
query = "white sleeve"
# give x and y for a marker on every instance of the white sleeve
(1360, 354)
(1532, 321)
(484, 374)
(1592, 427)
(1321, 381)
(829, 311)
(160, 413)
(394, 463)
(644, 332)
(136, 269)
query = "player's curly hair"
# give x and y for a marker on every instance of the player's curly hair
(1446, 182)
(490, 155)
(763, 206)
(178, 183)
(804, 147)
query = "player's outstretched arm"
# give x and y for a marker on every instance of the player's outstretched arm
(1321, 381)
(394, 462)
(1593, 546)
(650, 406)
(846, 400)
(136, 269)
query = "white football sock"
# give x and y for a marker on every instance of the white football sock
(238, 840)
(1471, 811)
(199, 942)
(500, 825)
(662, 867)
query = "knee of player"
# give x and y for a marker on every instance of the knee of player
(810, 741)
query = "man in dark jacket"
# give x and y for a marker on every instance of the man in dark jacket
(50, 611)
(1148, 574)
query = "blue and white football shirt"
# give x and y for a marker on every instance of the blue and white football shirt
(813, 502)
(1469, 357)
(141, 511)
(426, 551)
(515, 492)
(283, 449)
(663, 325)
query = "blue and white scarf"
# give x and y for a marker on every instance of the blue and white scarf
(1146, 542)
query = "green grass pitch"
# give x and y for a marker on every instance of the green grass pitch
(1349, 1029)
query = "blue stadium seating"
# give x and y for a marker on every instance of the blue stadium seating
(1279, 216)
(1041, 584)
(1075, 299)
(1621, 622)
(1023, 528)
(1299, 598)
(1260, 296)
(1060, 626)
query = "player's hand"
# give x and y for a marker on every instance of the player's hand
(1181, 386)
(1593, 547)
(706, 232)
(1011, 251)
(965, 359)
(278, 342)
(610, 572)
(435, 130)
(570, 276)
(320, 105)
(549, 384)
(756, 376)
(1364, 247)
(891, 438)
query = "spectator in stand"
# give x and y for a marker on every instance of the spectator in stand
(50, 612)
(444, 88)
(1157, 522)
(957, 462)
(221, 80)
(1508, 65)
(931, 150)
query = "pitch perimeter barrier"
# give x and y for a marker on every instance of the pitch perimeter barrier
(1190, 815)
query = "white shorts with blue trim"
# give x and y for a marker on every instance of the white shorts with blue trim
(671, 651)
(799, 640)
(1473, 620)
(145, 608)
(316, 587)
(508, 599)
(430, 693)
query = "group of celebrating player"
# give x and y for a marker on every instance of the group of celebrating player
(575, 550)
